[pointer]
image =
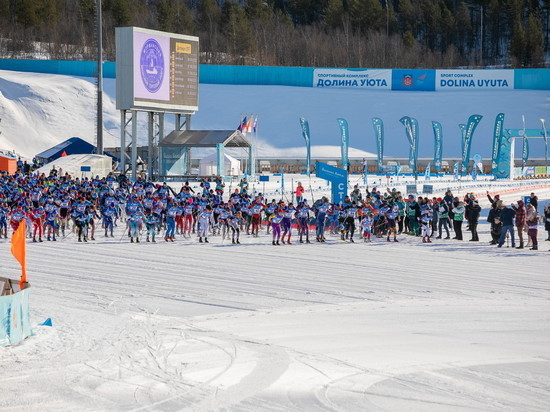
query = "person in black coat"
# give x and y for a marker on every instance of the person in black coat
(473, 210)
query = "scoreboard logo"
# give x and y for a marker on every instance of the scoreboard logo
(152, 65)
(183, 48)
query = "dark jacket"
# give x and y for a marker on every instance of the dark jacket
(506, 216)
(473, 210)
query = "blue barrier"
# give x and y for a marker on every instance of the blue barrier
(413, 79)
(15, 324)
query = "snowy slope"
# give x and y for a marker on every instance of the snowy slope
(40, 110)
(448, 326)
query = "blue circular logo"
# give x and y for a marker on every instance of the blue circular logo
(152, 65)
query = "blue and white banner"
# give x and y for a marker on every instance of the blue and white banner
(427, 174)
(344, 145)
(350, 78)
(283, 180)
(462, 128)
(524, 151)
(545, 137)
(438, 145)
(398, 169)
(474, 172)
(379, 134)
(497, 137)
(474, 79)
(411, 130)
(305, 132)
(473, 121)
(455, 170)
(505, 162)
(413, 79)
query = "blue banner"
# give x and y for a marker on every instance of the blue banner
(497, 138)
(504, 156)
(15, 324)
(411, 130)
(438, 145)
(283, 180)
(473, 121)
(474, 172)
(545, 136)
(455, 170)
(379, 134)
(427, 174)
(524, 151)
(345, 141)
(338, 178)
(398, 169)
(462, 128)
(305, 132)
(413, 79)
(220, 159)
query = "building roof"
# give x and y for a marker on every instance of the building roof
(205, 138)
(74, 145)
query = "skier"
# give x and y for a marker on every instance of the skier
(204, 220)
(276, 220)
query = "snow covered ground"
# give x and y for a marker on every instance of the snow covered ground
(447, 326)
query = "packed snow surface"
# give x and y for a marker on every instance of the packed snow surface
(447, 326)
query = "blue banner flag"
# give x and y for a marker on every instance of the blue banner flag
(438, 145)
(411, 130)
(462, 128)
(398, 169)
(474, 172)
(345, 141)
(497, 138)
(379, 134)
(427, 174)
(305, 132)
(455, 170)
(524, 151)
(545, 136)
(283, 180)
(473, 121)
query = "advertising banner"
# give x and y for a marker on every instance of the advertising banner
(438, 145)
(344, 146)
(474, 79)
(338, 178)
(413, 79)
(497, 137)
(379, 135)
(305, 133)
(355, 79)
(473, 121)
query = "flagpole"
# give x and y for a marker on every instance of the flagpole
(545, 145)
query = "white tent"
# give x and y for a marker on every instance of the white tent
(80, 165)
(208, 166)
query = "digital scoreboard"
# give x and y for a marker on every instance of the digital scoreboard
(156, 71)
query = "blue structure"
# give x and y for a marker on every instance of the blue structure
(15, 323)
(337, 177)
(74, 145)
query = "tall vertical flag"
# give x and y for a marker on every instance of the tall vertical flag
(242, 124)
(344, 131)
(545, 136)
(379, 134)
(255, 125)
(462, 128)
(525, 148)
(282, 180)
(411, 130)
(428, 171)
(474, 172)
(473, 121)
(305, 132)
(455, 170)
(438, 145)
(249, 124)
(497, 139)
(18, 250)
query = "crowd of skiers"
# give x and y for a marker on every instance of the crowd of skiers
(55, 206)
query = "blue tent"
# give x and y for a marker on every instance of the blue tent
(74, 145)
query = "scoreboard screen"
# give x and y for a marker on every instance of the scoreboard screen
(156, 70)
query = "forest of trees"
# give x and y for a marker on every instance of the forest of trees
(314, 33)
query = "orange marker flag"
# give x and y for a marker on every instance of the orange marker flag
(18, 250)
(64, 153)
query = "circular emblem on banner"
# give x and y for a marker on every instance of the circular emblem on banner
(152, 65)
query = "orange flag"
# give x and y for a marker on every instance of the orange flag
(64, 153)
(18, 250)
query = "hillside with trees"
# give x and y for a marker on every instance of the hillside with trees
(318, 33)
